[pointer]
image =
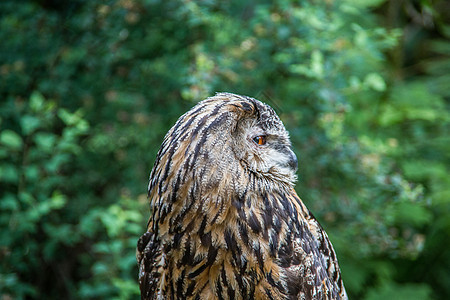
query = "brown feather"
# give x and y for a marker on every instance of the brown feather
(226, 222)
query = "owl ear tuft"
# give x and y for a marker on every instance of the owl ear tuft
(244, 107)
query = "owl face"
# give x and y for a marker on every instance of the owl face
(224, 141)
(264, 147)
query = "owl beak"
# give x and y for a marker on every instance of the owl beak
(293, 163)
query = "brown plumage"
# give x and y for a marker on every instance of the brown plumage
(226, 222)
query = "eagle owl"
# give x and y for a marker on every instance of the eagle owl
(226, 222)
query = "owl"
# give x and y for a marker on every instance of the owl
(226, 222)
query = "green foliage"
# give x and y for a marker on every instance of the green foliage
(89, 88)
(49, 222)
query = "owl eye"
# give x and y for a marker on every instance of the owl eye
(260, 139)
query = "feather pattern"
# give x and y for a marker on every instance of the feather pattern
(226, 221)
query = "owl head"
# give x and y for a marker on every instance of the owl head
(229, 141)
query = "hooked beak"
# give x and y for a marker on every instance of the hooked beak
(293, 162)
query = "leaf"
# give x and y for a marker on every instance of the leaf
(375, 81)
(9, 173)
(37, 102)
(45, 141)
(11, 139)
(9, 202)
(58, 200)
(29, 124)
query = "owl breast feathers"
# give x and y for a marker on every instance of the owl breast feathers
(226, 222)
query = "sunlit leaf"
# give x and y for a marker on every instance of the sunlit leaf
(11, 139)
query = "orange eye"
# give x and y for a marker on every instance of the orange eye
(260, 139)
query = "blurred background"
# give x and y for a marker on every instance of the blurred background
(88, 90)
